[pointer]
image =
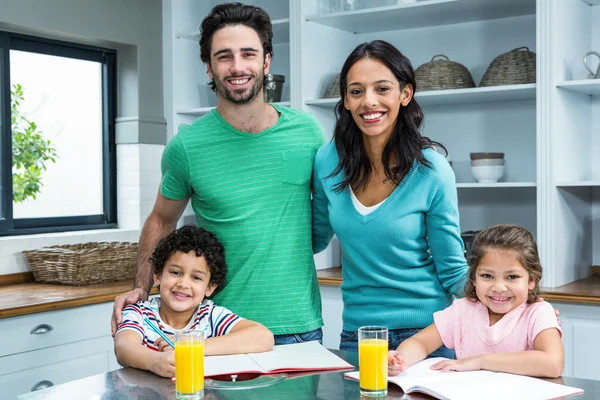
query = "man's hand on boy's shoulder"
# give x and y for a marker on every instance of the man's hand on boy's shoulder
(163, 345)
(121, 302)
(164, 364)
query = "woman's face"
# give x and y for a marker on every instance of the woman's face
(374, 97)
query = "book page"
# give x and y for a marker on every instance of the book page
(308, 356)
(474, 385)
(497, 386)
(230, 364)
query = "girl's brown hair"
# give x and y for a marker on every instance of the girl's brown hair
(506, 237)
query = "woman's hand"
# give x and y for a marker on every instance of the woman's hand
(163, 345)
(395, 363)
(466, 364)
(164, 364)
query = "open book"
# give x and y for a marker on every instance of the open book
(474, 385)
(300, 357)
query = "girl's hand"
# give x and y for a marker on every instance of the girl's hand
(163, 345)
(395, 363)
(164, 363)
(466, 364)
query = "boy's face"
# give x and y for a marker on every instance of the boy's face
(184, 282)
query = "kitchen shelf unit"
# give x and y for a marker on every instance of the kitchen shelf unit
(463, 120)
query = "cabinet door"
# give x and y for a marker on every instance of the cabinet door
(331, 297)
(52, 328)
(581, 329)
(36, 370)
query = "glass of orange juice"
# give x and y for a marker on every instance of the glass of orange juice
(372, 360)
(189, 364)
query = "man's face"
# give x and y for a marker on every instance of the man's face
(237, 63)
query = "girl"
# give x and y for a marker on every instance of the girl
(498, 326)
(380, 178)
(189, 264)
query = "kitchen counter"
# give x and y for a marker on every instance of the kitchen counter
(129, 383)
(19, 295)
(582, 291)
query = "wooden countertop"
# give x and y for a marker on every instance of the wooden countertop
(582, 291)
(19, 295)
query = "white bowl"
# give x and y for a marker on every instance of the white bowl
(487, 161)
(487, 173)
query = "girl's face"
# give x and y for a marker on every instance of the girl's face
(184, 282)
(501, 282)
(374, 97)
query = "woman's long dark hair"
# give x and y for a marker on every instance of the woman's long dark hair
(405, 144)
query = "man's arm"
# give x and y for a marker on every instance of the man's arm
(161, 221)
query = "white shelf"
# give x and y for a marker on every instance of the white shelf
(590, 87)
(592, 2)
(423, 13)
(281, 32)
(496, 185)
(578, 184)
(460, 96)
(203, 110)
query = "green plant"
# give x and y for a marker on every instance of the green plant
(30, 151)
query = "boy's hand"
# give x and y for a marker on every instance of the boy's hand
(164, 364)
(163, 345)
(395, 363)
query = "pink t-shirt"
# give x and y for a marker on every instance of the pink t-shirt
(465, 327)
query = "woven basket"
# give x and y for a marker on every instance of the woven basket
(83, 264)
(512, 68)
(443, 74)
(333, 91)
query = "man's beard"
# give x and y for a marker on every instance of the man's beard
(240, 96)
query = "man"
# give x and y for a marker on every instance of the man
(246, 167)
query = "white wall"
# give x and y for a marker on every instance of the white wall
(134, 29)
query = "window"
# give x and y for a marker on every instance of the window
(57, 143)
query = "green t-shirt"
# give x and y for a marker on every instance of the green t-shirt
(253, 192)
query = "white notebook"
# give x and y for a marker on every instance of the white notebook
(474, 385)
(300, 357)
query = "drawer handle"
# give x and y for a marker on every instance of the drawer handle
(41, 329)
(41, 385)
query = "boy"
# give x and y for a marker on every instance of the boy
(189, 264)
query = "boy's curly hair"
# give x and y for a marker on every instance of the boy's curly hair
(506, 237)
(192, 238)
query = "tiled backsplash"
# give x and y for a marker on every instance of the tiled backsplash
(138, 179)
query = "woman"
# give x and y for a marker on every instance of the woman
(391, 200)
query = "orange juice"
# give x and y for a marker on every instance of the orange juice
(189, 366)
(372, 364)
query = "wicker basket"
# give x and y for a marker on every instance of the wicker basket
(443, 74)
(333, 91)
(512, 68)
(83, 264)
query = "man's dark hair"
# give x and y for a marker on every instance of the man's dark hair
(191, 238)
(235, 14)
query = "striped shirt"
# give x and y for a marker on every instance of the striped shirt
(253, 192)
(210, 318)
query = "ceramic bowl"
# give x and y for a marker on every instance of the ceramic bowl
(480, 156)
(487, 161)
(487, 173)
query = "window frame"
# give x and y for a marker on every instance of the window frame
(10, 226)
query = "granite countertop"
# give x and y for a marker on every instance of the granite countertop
(582, 291)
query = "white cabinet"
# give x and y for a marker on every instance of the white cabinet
(49, 348)
(331, 297)
(581, 330)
